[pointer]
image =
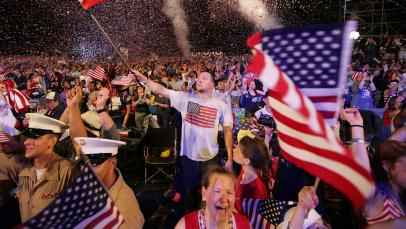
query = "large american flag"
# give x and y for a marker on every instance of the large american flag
(265, 214)
(314, 58)
(97, 74)
(83, 204)
(17, 100)
(199, 115)
(87, 4)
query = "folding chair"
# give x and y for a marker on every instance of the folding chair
(157, 140)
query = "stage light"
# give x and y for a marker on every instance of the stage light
(354, 35)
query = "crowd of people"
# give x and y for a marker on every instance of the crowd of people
(52, 109)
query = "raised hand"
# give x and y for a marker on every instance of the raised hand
(102, 97)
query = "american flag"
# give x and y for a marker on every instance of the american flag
(17, 100)
(97, 74)
(264, 214)
(3, 137)
(356, 75)
(123, 80)
(87, 4)
(201, 116)
(83, 204)
(2, 77)
(315, 58)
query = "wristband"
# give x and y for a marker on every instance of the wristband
(102, 110)
(360, 140)
(361, 126)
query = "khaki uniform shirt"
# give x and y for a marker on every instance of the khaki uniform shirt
(124, 199)
(35, 195)
(11, 165)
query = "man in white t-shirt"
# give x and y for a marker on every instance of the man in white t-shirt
(202, 114)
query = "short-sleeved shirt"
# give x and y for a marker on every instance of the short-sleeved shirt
(35, 195)
(262, 112)
(126, 202)
(200, 124)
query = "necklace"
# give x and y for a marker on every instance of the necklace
(202, 220)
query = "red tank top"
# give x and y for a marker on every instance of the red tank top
(192, 221)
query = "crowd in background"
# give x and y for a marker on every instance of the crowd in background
(375, 88)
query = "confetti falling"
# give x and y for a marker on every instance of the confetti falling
(43, 26)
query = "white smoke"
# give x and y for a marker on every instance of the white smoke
(174, 11)
(256, 12)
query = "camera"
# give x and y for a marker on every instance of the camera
(267, 120)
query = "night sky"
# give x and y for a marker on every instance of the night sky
(29, 26)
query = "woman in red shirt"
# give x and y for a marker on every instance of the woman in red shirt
(251, 153)
(218, 204)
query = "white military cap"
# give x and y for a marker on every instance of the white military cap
(39, 125)
(98, 149)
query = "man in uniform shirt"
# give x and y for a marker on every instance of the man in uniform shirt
(49, 173)
(102, 155)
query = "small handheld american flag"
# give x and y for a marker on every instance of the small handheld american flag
(97, 74)
(83, 204)
(265, 213)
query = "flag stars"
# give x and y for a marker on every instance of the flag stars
(304, 72)
(290, 48)
(319, 46)
(333, 58)
(284, 42)
(291, 35)
(318, 71)
(325, 65)
(304, 47)
(320, 33)
(326, 52)
(304, 59)
(311, 65)
(312, 40)
(335, 46)
(318, 59)
(327, 39)
(310, 77)
(276, 50)
(336, 32)
(277, 37)
(317, 82)
(271, 44)
(331, 82)
(311, 53)
(297, 41)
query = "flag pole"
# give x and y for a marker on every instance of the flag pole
(316, 184)
(107, 36)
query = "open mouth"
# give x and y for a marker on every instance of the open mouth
(221, 208)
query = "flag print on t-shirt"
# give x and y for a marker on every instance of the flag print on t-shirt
(200, 115)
